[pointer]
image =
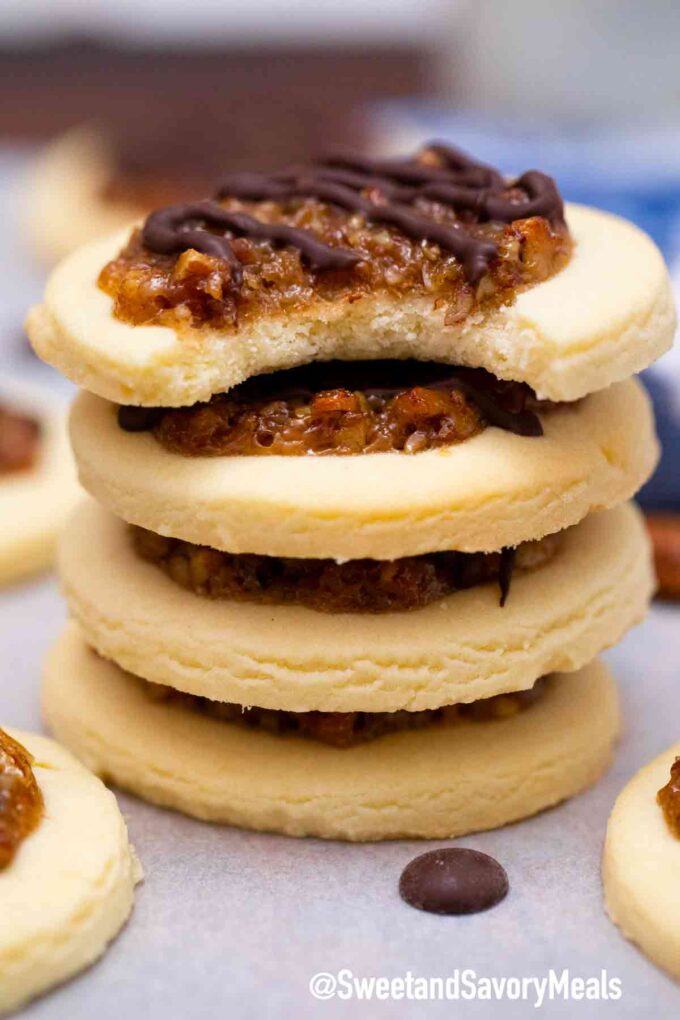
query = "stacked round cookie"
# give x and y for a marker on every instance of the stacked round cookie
(358, 600)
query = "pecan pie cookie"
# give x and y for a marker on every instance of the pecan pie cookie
(641, 865)
(436, 257)
(67, 870)
(363, 435)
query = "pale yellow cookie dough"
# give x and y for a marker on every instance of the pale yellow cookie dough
(493, 490)
(34, 504)
(608, 314)
(431, 783)
(70, 888)
(461, 648)
(64, 201)
(641, 867)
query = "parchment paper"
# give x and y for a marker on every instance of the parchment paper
(235, 924)
(230, 924)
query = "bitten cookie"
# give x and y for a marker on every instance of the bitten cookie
(434, 782)
(452, 263)
(641, 865)
(69, 887)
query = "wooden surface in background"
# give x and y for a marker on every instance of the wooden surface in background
(263, 106)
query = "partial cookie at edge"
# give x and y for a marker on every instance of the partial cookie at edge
(77, 865)
(606, 315)
(462, 648)
(641, 867)
(423, 783)
(35, 503)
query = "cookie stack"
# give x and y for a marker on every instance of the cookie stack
(360, 435)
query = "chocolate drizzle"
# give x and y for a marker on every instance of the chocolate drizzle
(179, 227)
(382, 191)
(505, 571)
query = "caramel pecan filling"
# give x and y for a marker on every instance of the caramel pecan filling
(344, 408)
(356, 586)
(668, 798)
(438, 226)
(345, 729)
(19, 441)
(21, 802)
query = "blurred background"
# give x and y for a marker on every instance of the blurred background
(111, 108)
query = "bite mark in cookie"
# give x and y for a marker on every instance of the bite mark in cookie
(438, 224)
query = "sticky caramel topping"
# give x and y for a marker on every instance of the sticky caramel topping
(335, 231)
(356, 586)
(192, 290)
(335, 421)
(21, 802)
(668, 798)
(344, 408)
(19, 441)
(346, 729)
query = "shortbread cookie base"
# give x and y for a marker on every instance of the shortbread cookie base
(70, 887)
(35, 504)
(641, 867)
(461, 648)
(607, 314)
(64, 196)
(493, 490)
(430, 783)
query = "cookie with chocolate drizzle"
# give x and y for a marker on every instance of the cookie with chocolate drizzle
(438, 223)
(382, 191)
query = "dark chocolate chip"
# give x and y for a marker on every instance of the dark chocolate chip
(453, 881)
